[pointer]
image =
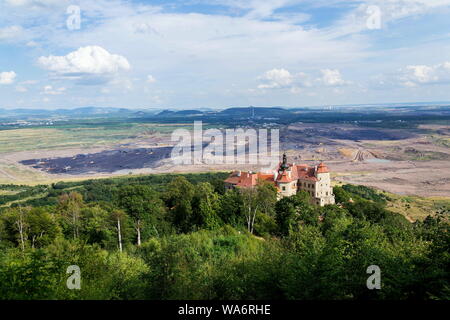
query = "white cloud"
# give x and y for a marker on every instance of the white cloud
(332, 78)
(233, 44)
(205, 45)
(86, 62)
(295, 90)
(414, 75)
(18, 3)
(156, 99)
(32, 44)
(10, 32)
(7, 77)
(122, 83)
(390, 11)
(276, 78)
(282, 78)
(151, 79)
(53, 91)
(29, 82)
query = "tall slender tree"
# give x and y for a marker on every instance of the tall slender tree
(144, 206)
(70, 205)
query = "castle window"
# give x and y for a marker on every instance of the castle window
(284, 188)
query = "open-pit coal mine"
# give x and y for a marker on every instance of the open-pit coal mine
(108, 161)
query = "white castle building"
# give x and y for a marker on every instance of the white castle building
(289, 179)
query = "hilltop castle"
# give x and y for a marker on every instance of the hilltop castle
(288, 179)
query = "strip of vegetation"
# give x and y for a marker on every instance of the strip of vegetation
(348, 191)
(184, 237)
(25, 192)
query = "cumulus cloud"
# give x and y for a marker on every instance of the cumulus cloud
(234, 44)
(53, 91)
(276, 78)
(7, 77)
(91, 62)
(414, 75)
(332, 78)
(282, 79)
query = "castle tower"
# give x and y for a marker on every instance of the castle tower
(284, 165)
(324, 191)
(286, 182)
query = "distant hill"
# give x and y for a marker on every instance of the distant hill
(81, 112)
(255, 112)
(165, 113)
(189, 112)
(181, 113)
(234, 112)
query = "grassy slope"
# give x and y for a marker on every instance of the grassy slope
(416, 208)
(412, 207)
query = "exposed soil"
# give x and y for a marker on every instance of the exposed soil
(107, 161)
(407, 162)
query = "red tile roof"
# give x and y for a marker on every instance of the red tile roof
(294, 172)
(248, 179)
(284, 178)
(322, 168)
(306, 173)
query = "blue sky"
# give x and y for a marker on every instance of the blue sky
(220, 53)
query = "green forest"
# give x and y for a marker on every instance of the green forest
(185, 237)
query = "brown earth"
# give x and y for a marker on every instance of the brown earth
(401, 161)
